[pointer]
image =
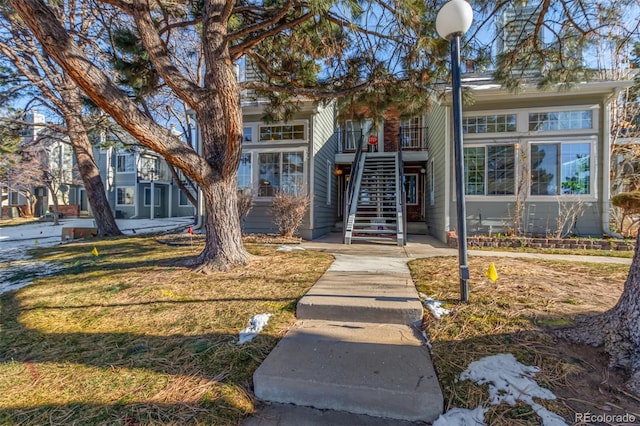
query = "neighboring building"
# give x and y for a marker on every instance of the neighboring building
(49, 167)
(139, 184)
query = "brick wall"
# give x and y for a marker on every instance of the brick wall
(560, 243)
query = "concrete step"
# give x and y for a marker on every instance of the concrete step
(381, 370)
(362, 297)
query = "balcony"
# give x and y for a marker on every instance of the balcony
(413, 138)
(409, 138)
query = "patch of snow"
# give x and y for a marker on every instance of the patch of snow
(461, 417)
(510, 381)
(289, 248)
(434, 306)
(256, 324)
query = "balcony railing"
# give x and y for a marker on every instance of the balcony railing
(413, 138)
(149, 174)
(348, 140)
(410, 139)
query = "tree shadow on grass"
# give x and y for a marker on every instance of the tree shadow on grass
(210, 357)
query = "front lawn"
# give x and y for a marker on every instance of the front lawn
(130, 337)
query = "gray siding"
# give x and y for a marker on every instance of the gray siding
(541, 213)
(438, 134)
(325, 147)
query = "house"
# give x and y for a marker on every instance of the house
(296, 156)
(535, 163)
(139, 184)
(528, 157)
(47, 171)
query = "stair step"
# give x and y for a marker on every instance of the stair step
(372, 238)
(331, 365)
(357, 231)
(389, 298)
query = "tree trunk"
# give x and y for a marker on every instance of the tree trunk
(102, 213)
(217, 107)
(618, 329)
(223, 247)
(56, 204)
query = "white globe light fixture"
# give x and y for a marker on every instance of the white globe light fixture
(453, 20)
(455, 17)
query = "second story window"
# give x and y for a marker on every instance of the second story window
(493, 123)
(561, 120)
(124, 163)
(281, 132)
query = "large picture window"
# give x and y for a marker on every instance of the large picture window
(562, 168)
(489, 170)
(125, 195)
(280, 171)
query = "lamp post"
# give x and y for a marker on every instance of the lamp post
(453, 20)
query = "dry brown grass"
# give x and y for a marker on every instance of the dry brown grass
(517, 315)
(130, 338)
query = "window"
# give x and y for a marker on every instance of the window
(124, 163)
(124, 195)
(282, 132)
(411, 189)
(411, 133)
(156, 197)
(489, 170)
(496, 123)
(183, 201)
(280, 171)
(561, 120)
(14, 198)
(244, 172)
(247, 134)
(571, 162)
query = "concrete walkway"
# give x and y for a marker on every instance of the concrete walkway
(355, 354)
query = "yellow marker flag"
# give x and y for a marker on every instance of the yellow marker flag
(94, 251)
(491, 272)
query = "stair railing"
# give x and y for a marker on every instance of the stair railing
(401, 201)
(350, 193)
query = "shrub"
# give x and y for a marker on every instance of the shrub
(288, 211)
(245, 203)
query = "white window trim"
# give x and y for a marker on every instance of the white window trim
(252, 181)
(592, 141)
(500, 198)
(255, 171)
(124, 187)
(305, 136)
(595, 124)
(125, 155)
(254, 132)
(522, 123)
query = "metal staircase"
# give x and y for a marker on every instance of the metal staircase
(376, 204)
